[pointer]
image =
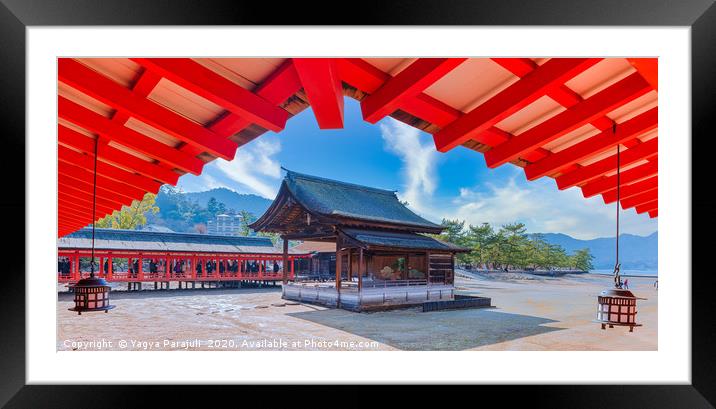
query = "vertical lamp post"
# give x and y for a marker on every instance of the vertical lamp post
(92, 294)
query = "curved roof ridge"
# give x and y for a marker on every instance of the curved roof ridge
(290, 173)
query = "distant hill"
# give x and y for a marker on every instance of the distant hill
(635, 252)
(186, 212)
(233, 200)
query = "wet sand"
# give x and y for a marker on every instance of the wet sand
(540, 313)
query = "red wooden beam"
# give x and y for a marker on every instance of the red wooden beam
(631, 190)
(515, 97)
(82, 191)
(647, 207)
(627, 177)
(562, 94)
(360, 74)
(276, 88)
(123, 159)
(75, 207)
(212, 86)
(648, 68)
(94, 122)
(69, 218)
(102, 191)
(67, 155)
(322, 84)
(561, 124)
(80, 198)
(408, 83)
(654, 213)
(118, 97)
(630, 129)
(73, 139)
(587, 173)
(641, 198)
(67, 213)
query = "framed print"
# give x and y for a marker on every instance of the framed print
(453, 194)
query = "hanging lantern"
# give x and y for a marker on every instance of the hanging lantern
(617, 306)
(92, 293)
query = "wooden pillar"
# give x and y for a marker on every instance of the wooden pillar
(427, 266)
(407, 266)
(452, 269)
(361, 269)
(338, 265)
(350, 265)
(140, 269)
(110, 268)
(285, 261)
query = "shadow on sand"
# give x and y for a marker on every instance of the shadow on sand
(125, 295)
(413, 330)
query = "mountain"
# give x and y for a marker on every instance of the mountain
(233, 201)
(635, 252)
(188, 212)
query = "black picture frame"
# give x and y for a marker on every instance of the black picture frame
(16, 15)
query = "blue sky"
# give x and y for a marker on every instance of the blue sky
(392, 155)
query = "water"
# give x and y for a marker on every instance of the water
(624, 272)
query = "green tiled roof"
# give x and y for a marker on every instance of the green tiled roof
(333, 198)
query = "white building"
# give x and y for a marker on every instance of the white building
(225, 225)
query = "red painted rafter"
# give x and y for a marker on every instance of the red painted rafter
(631, 190)
(515, 97)
(276, 89)
(68, 193)
(94, 122)
(408, 83)
(111, 155)
(585, 174)
(212, 86)
(646, 207)
(118, 97)
(66, 212)
(104, 197)
(639, 199)
(103, 189)
(572, 118)
(627, 177)
(607, 139)
(654, 213)
(76, 207)
(322, 84)
(68, 217)
(360, 74)
(648, 68)
(563, 95)
(120, 175)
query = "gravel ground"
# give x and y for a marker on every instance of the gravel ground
(545, 313)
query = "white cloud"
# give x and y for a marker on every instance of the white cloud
(253, 170)
(544, 208)
(254, 167)
(419, 163)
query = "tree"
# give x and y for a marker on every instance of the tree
(479, 239)
(215, 207)
(582, 260)
(132, 216)
(246, 219)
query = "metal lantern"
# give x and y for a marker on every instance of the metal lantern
(617, 306)
(91, 294)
